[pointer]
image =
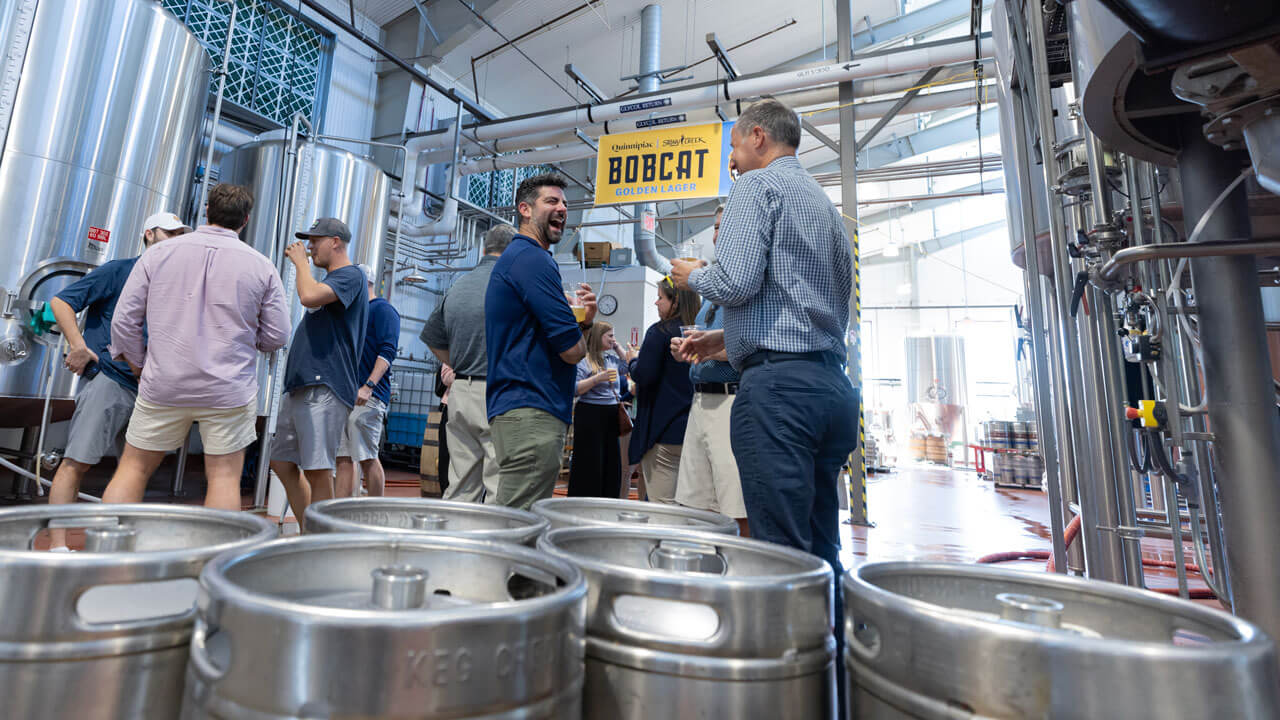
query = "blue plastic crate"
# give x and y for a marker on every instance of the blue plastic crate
(406, 429)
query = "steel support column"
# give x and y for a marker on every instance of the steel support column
(849, 201)
(1237, 373)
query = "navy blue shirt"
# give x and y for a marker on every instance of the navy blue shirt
(98, 291)
(381, 339)
(663, 391)
(327, 344)
(527, 324)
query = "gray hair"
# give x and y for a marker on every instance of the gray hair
(498, 238)
(778, 121)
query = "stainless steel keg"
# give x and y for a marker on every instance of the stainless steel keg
(103, 633)
(689, 624)
(388, 626)
(412, 516)
(926, 640)
(606, 512)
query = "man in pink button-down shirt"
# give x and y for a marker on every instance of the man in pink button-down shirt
(210, 303)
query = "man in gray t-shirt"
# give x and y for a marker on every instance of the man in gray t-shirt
(455, 333)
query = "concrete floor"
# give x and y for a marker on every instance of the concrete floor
(920, 512)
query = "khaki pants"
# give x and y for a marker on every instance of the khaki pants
(528, 444)
(708, 473)
(661, 467)
(473, 463)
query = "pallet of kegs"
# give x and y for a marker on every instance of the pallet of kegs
(998, 434)
(1024, 436)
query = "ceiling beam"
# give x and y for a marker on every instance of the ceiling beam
(931, 138)
(913, 23)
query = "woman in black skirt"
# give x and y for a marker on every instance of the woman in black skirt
(596, 470)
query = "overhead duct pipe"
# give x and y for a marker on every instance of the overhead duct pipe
(645, 232)
(891, 62)
(576, 149)
(795, 99)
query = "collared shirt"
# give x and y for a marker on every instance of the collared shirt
(527, 324)
(783, 272)
(457, 323)
(327, 344)
(381, 340)
(97, 293)
(606, 393)
(712, 371)
(211, 303)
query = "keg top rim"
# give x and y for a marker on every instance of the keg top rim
(215, 583)
(862, 581)
(813, 568)
(532, 523)
(259, 528)
(565, 507)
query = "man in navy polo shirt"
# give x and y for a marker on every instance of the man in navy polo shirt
(533, 343)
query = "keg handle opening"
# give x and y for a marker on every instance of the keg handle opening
(633, 517)
(121, 538)
(862, 637)
(201, 655)
(666, 620)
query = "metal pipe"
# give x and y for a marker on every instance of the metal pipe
(649, 81)
(1103, 553)
(217, 106)
(891, 62)
(1227, 248)
(1237, 372)
(399, 62)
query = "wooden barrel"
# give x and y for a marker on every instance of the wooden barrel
(917, 447)
(429, 467)
(936, 449)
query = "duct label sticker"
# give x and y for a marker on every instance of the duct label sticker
(98, 239)
(660, 121)
(646, 105)
(677, 163)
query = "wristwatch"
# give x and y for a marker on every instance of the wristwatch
(370, 384)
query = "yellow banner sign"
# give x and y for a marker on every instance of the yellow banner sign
(677, 163)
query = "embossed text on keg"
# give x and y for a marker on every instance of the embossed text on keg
(528, 657)
(436, 668)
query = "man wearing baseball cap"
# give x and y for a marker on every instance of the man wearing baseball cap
(364, 424)
(108, 388)
(321, 374)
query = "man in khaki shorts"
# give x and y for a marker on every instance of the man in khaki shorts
(361, 437)
(210, 303)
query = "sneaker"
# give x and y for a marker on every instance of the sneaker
(61, 549)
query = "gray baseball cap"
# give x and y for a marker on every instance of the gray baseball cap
(326, 227)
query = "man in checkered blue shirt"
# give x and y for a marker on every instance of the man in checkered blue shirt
(783, 274)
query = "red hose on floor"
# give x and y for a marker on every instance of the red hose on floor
(1069, 536)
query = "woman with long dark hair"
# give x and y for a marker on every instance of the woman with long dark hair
(596, 468)
(663, 393)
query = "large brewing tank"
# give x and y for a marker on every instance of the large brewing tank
(328, 182)
(687, 624)
(100, 112)
(607, 512)
(103, 634)
(424, 516)
(937, 385)
(942, 641)
(381, 626)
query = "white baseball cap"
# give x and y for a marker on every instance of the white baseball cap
(368, 273)
(165, 221)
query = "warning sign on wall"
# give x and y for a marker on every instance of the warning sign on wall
(672, 163)
(98, 239)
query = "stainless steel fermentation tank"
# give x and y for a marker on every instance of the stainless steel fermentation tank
(291, 191)
(100, 111)
(937, 383)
